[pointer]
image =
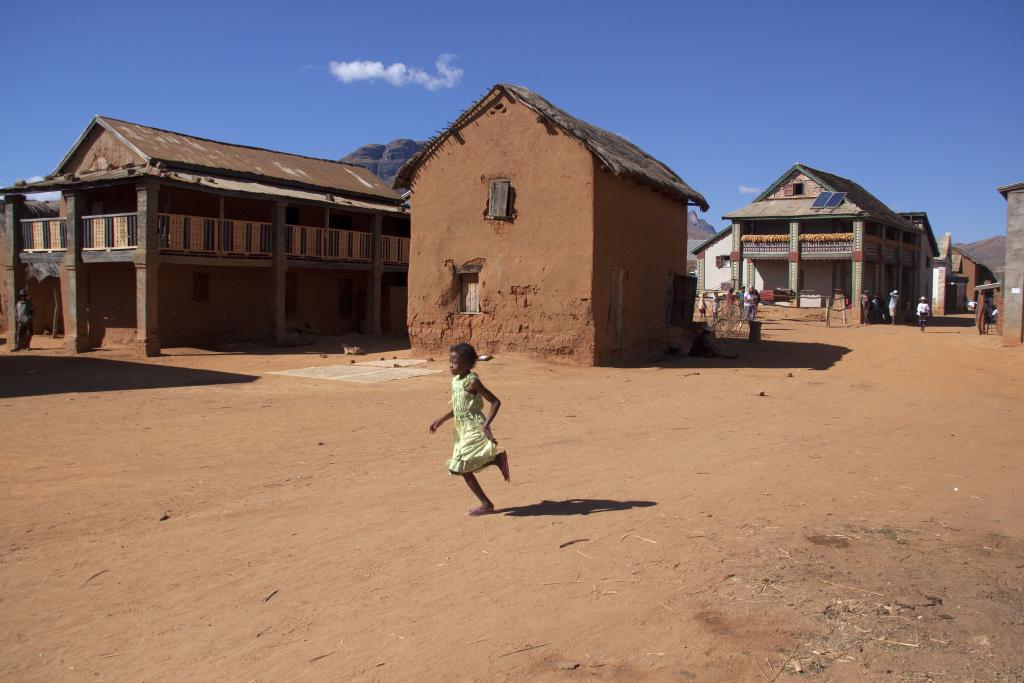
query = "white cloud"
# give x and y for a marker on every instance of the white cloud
(749, 190)
(399, 74)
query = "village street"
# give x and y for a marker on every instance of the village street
(843, 503)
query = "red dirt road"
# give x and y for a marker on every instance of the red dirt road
(860, 521)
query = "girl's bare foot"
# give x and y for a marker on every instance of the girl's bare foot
(502, 462)
(482, 510)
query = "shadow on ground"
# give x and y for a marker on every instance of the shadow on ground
(35, 375)
(575, 506)
(763, 354)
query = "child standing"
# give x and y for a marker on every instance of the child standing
(475, 445)
(703, 308)
(923, 311)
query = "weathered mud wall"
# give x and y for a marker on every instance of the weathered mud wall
(236, 305)
(535, 269)
(644, 233)
(99, 152)
(110, 301)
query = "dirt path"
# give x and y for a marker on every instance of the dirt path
(860, 521)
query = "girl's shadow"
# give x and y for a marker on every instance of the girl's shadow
(573, 506)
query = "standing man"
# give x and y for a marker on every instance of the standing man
(23, 312)
(748, 303)
(923, 311)
(894, 301)
(865, 301)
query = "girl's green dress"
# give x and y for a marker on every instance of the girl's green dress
(473, 450)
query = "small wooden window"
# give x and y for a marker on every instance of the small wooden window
(498, 199)
(469, 293)
(722, 261)
(200, 287)
(788, 190)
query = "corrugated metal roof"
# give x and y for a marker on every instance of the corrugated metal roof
(792, 208)
(858, 201)
(190, 152)
(214, 184)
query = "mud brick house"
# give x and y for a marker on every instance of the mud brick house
(168, 239)
(975, 272)
(1012, 311)
(813, 236)
(948, 289)
(536, 231)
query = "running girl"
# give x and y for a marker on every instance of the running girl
(475, 445)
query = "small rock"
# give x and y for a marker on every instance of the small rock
(382, 357)
(352, 361)
(761, 394)
(319, 443)
(164, 517)
(566, 665)
(394, 357)
(789, 374)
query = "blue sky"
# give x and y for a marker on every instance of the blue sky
(920, 102)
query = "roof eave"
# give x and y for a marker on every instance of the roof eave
(1007, 189)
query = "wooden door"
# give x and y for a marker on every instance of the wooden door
(615, 307)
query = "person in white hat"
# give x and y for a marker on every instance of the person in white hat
(894, 302)
(924, 311)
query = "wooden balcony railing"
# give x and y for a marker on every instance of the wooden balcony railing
(206, 236)
(396, 249)
(306, 241)
(756, 248)
(44, 234)
(826, 243)
(110, 231)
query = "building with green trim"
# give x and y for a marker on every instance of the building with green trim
(814, 238)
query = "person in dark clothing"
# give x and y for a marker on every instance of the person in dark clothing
(23, 313)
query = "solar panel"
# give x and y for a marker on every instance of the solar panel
(835, 200)
(822, 199)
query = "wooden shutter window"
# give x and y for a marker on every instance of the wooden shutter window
(497, 204)
(789, 189)
(469, 293)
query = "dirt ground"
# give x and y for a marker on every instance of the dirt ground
(837, 505)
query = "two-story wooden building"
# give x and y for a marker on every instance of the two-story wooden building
(818, 237)
(536, 231)
(166, 239)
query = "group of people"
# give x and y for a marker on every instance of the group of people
(875, 311)
(748, 296)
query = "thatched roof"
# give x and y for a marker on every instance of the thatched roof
(33, 209)
(615, 153)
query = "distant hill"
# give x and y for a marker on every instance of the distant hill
(698, 228)
(384, 160)
(991, 251)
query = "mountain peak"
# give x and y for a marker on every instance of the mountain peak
(384, 160)
(697, 228)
